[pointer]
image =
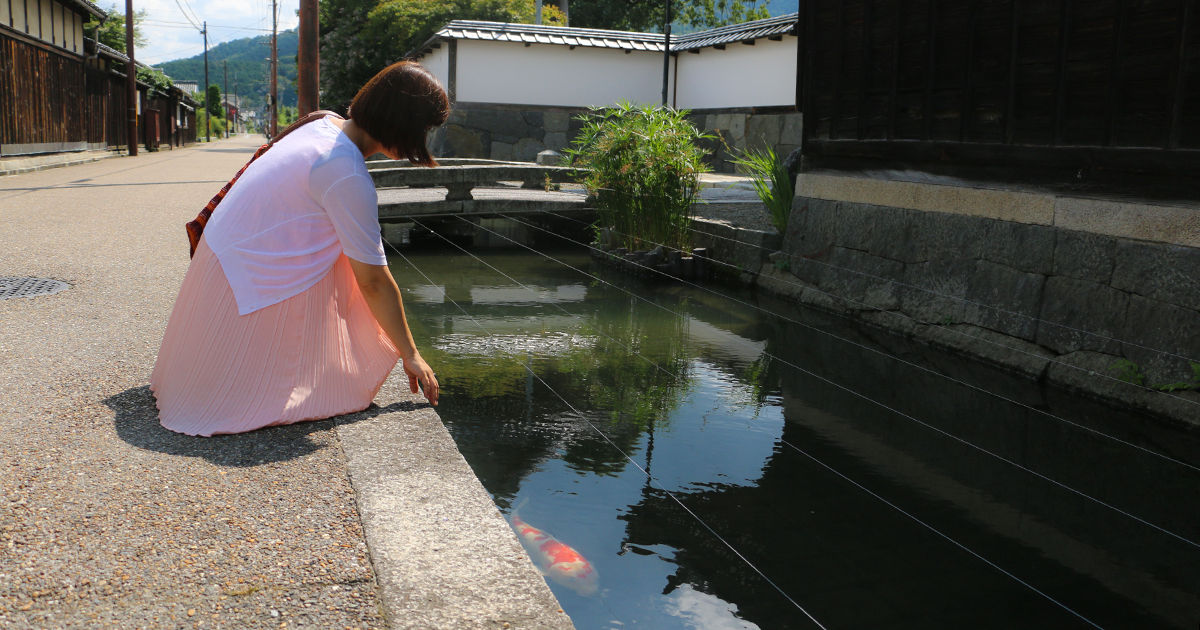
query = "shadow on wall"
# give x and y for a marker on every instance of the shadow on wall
(137, 424)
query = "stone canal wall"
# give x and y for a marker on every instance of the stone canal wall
(519, 132)
(1011, 280)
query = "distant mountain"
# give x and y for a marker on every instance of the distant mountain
(249, 60)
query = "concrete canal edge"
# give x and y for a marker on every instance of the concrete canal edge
(443, 555)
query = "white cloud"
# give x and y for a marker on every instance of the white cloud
(705, 612)
(172, 36)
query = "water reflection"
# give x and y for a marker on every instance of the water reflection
(768, 457)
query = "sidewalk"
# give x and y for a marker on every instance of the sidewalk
(110, 520)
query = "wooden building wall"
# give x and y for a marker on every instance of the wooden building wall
(42, 102)
(1104, 83)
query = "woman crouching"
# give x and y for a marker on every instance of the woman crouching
(288, 311)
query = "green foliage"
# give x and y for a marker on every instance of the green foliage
(644, 171)
(218, 124)
(1128, 371)
(772, 183)
(112, 32)
(783, 264)
(154, 78)
(246, 59)
(714, 13)
(287, 116)
(1184, 385)
(212, 101)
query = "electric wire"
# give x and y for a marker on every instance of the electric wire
(957, 332)
(752, 421)
(860, 395)
(583, 417)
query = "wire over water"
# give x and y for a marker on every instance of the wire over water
(909, 363)
(860, 395)
(750, 420)
(661, 486)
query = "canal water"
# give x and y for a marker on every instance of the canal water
(720, 467)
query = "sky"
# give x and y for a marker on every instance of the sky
(171, 36)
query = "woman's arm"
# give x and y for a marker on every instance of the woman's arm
(383, 296)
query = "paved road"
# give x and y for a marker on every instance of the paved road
(108, 519)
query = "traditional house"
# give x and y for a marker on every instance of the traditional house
(517, 88)
(1023, 173)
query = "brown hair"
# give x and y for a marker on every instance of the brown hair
(399, 106)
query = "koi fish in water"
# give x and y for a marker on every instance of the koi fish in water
(555, 559)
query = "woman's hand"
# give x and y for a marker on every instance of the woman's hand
(419, 372)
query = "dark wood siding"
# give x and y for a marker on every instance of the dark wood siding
(41, 95)
(1004, 75)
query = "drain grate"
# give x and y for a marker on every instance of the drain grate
(29, 287)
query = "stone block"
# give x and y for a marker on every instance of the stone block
(710, 121)
(502, 151)
(503, 123)
(549, 158)
(1004, 299)
(556, 122)
(762, 131)
(866, 281)
(1084, 256)
(1081, 315)
(1091, 373)
(1161, 338)
(556, 141)
(855, 223)
(534, 119)
(935, 291)
(462, 142)
(1025, 358)
(737, 130)
(723, 122)
(1023, 246)
(811, 228)
(526, 150)
(457, 117)
(950, 236)
(1170, 273)
(895, 235)
(793, 129)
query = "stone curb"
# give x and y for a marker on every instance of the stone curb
(46, 167)
(443, 555)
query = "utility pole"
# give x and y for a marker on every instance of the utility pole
(274, 67)
(666, 53)
(207, 113)
(236, 100)
(131, 94)
(562, 5)
(309, 58)
(225, 95)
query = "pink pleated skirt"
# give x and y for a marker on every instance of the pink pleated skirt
(315, 355)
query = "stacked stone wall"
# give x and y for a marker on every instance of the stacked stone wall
(518, 133)
(1044, 301)
(740, 132)
(505, 133)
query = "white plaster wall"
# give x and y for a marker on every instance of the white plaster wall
(4, 14)
(46, 23)
(761, 75)
(438, 62)
(547, 74)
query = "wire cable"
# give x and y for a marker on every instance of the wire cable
(864, 396)
(581, 416)
(905, 316)
(750, 420)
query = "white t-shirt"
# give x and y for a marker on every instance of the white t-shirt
(292, 213)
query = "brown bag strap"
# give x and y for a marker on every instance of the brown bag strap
(196, 228)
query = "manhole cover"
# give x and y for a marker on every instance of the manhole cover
(29, 287)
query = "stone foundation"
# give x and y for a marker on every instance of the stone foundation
(742, 131)
(503, 132)
(1053, 304)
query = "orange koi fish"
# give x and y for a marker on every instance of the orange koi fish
(555, 559)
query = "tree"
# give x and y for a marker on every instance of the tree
(112, 32)
(714, 13)
(213, 102)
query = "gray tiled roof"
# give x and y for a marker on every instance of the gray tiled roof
(597, 38)
(746, 31)
(111, 53)
(89, 7)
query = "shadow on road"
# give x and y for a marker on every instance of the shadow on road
(137, 424)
